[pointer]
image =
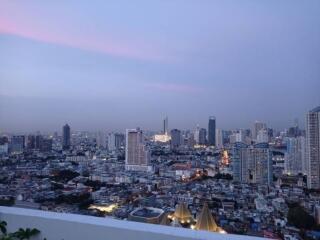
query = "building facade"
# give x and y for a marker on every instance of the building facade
(252, 163)
(295, 155)
(137, 154)
(313, 148)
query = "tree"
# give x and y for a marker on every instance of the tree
(21, 234)
(3, 227)
(26, 233)
(298, 217)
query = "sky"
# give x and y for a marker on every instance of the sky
(117, 64)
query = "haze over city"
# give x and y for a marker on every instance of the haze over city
(116, 65)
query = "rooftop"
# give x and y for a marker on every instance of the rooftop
(57, 226)
(147, 212)
(317, 109)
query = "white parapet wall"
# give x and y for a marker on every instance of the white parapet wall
(64, 226)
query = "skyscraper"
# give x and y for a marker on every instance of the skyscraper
(165, 126)
(176, 138)
(66, 137)
(137, 154)
(313, 148)
(212, 131)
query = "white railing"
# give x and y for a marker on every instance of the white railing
(64, 226)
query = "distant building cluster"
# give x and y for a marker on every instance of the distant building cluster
(244, 181)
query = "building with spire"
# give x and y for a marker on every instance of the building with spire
(206, 222)
(165, 126)
(181, 214)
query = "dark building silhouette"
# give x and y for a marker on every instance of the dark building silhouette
(176, 138)
(212, 131)
(66, 137)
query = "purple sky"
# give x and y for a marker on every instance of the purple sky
(121, 64)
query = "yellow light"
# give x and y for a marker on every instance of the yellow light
(162, 138)
(222, 231)
(108, 209)
(192, 226)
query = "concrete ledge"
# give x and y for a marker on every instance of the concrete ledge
(64, 226)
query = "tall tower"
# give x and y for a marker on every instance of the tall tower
(313, 148)
(137, 154)
(66, 136)
(212, 131)
(165, 125)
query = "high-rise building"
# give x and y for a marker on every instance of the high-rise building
(115, 141)
(4, 148)
(38, 141)
(256, 128)
(252, 163)
(262, 136)
(31, 142)
(165, 126)
(137, 154)
(101, 139)
(66, 137)
(4, 145)
(219, 138)
(202, 136)
(295, 155)
(313, 148)
(46, 145)
(176, 138)
(196, 134)
(17, 144)
(212, 131)
(3, 140)
(240, 136)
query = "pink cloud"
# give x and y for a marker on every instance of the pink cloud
(173, 87)
(83, 41)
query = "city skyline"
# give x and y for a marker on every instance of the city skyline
(238, 61)
(162, 119)
(158, 129)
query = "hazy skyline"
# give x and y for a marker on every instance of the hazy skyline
(122, 64)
